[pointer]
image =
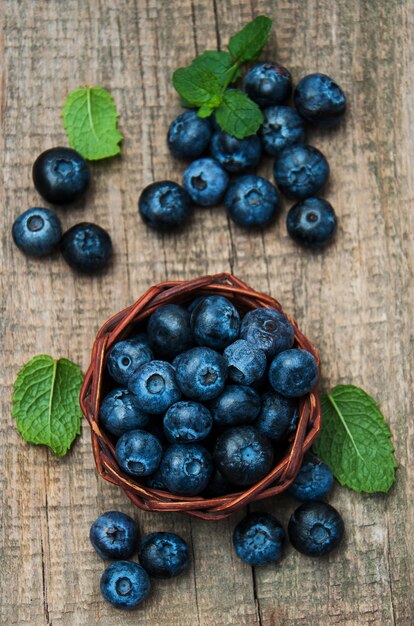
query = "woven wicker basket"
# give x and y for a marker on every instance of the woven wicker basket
(130, 321)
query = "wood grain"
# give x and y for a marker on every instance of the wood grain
(355, 301)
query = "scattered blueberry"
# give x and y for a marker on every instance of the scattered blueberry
(201, 373)
(139, 453)
(186, 468)
(163, 555)
(251, 201)
(205, 181)
(258, 539)
(164, 205)
(114, 535)
(187, 422)
(37, 232)
(236, 155)
(155, 387)
(125, 584)
(311, 222)
(282, 127)
(86, 247)
(314, 481)
(268, 330)
(119, 413)
(236, 405)
(277, 417)
(315, 528)
(189, 135)
(126, 357)
(320, 100)
(268, 83)
(300, 171)
(61, 175)
(215, 322)
(169, 331)
(246, 363)
(293, 373)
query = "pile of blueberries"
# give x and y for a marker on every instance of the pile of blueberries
(300, 170)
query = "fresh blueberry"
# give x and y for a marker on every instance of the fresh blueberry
(126, 357)
(268, 83)
(187, 422)
(246, 363)
(251, 201)
(155, 481)
(243, 455)
(258, 539)
(201, 373)
(320, 100)
(194, 303)
(206, 181)
(61, 175)
(186, 468)
(236, 405)
(293, 373)
(114, 535)
(125, 584)
(164, 205)
(119, 412)
(311, 222)
(300, 171)
(236, 155)
(189, 135)
(314, 481)
(315, 528)
(169, 331)
(86, 247)
(155, 387)
(219, 485)
(215, 322)
(278, 416)
(163, 555)
(37, 232)
(139, 453)
(282, 127)
(267, 329)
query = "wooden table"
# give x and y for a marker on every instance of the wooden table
(355, 301)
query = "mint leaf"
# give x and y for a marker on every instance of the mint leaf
(196, 84)
(46, 402)
(219, 63)
(238, 115)
(90, 119)
(248, 43)
(355, 440)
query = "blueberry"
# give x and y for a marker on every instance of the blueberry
(315, 528)
(37, 232)
(163, 555)
(268, 83)
(219, 485)
(201, 373)
(314, 481)
(215, 322)
(236, 405)
(61, 175)
(236, 155)
(246, 363)
(311, 222)
(186, 422)
(320, 100)
(114, 535)
(194, 303)
(126, 357)
(282, 127)
(86, 247)
(300, 171)
(155, 387)
(155, 481)
(243, 455)
(251, 201)
(293, 373)
(125, 584)
(169, 330)
(119, 412)
(164, 205)
(139, 453)
(186, 468)
(206, 181)
(267, 329)
(278, 416)
(189, 135)
(258, 539)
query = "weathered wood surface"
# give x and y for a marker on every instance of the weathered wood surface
(355, 301)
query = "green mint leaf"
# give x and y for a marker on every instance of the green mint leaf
(248, 43)
(46, 402)
(205, 110)
(238, 115)
(219, 63)
(196, 84)
(355, 440)
(90, 119)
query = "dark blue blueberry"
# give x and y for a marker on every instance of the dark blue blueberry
(293, 373)
(215, 322)
(282, 127)
(258, 539)
(164, 205)
(268, 83)
(251, 201)
(37, 232)
(156, 482)
(119, 412)
(163, 555)
(155, 386)
(246, 363)
(169, 330)
(189, 135)
(311, 222)
(320, 100)
(236, 405)
(61, 175)
(186, 468)
(114, 535)
(314, 481)
(278, 416)
(206, 181)
(201, 373)
(236, 155)
(194, 303)
(86, 247)
(219, 485)
(315, 528)
(300, 171)
(268, 330)
(187, 422)
(243, 455)
(125, 584)
(126, 357)
(139, 453)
